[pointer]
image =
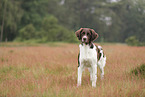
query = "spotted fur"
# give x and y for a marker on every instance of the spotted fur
(90, 56)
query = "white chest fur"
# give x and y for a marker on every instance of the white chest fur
(88, 56)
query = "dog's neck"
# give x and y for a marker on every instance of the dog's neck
(89, 44)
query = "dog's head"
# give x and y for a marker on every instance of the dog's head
(86, 35)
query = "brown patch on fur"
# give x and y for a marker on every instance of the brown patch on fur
(78, 33)
(98, 53)
(94, 35)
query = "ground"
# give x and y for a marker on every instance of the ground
(50, 70)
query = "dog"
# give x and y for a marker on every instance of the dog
(90, 55)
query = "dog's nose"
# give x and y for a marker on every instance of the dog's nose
(84, 39)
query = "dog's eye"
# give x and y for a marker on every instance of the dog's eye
(87, 34)
(83, 33)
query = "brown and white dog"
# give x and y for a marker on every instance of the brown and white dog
(90, 56)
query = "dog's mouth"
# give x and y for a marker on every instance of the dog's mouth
(85, 41)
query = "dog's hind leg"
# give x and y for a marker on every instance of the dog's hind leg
(101, 66)
(102, 73)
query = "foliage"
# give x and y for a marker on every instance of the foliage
(133, 41)
(12, 17)
(27, 32)
(139, 71)
(113, 21)
(50, 31)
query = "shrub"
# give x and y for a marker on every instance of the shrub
(132, 41)
(139, 71)
(52, 31)
(27, 32)
(49, 31)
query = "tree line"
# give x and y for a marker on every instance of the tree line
(57, 20)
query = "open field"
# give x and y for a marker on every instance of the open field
(51, 71)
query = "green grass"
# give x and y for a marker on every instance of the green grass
(26, 44)
(11, 72)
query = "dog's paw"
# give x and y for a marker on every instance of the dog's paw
(78, 85)
(93, 84)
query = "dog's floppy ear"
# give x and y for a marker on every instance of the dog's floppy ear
(94, 35)
(78, 33)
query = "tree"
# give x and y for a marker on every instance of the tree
(33, 12)
(52, 31)
(113, 21)
(28, 32)
(12, 15)
(3, 18)
(135, 18)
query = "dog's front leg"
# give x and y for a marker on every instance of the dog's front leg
(94, 75)
(80, 70)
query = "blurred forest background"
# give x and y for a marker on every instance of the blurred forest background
(57, 20)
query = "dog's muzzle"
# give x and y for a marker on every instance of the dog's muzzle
(84, 39)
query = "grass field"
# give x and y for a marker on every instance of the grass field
(50, 70)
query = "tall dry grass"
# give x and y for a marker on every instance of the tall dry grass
(44, 71)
